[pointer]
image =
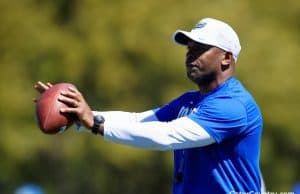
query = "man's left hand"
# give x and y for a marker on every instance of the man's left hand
(77, 105)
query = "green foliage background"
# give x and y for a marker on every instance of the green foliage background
(121, 56)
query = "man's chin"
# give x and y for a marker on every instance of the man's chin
(201, 80)
(194, 79)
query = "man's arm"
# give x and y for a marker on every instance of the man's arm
(122, 116)
(178, 134)
(143, 130)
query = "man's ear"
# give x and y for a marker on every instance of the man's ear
(227, 61)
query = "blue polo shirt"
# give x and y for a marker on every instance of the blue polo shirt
(231, 116)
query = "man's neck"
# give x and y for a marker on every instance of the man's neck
(208, 88)
(204, 89)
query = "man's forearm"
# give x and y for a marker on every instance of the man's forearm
(121, 116)
(178, 134)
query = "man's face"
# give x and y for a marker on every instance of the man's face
(203, 62)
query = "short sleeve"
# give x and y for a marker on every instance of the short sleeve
(167, 112)
(222, 118)
(171, 110)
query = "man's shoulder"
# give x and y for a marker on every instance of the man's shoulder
(233, 89)
(223, 106)
(232, 97)
(189, 95)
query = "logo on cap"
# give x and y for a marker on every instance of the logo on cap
(200, 25)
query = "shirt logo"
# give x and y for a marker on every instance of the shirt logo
(184, 111)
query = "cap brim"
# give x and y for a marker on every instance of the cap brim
(182, 37)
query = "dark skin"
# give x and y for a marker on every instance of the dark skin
(207, 66)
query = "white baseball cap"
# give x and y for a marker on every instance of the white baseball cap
(212, 32)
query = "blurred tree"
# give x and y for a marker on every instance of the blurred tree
(120, 55)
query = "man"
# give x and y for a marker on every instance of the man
(215, 132)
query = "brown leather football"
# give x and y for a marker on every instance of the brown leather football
(50, 119)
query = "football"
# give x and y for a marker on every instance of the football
(50, 119)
